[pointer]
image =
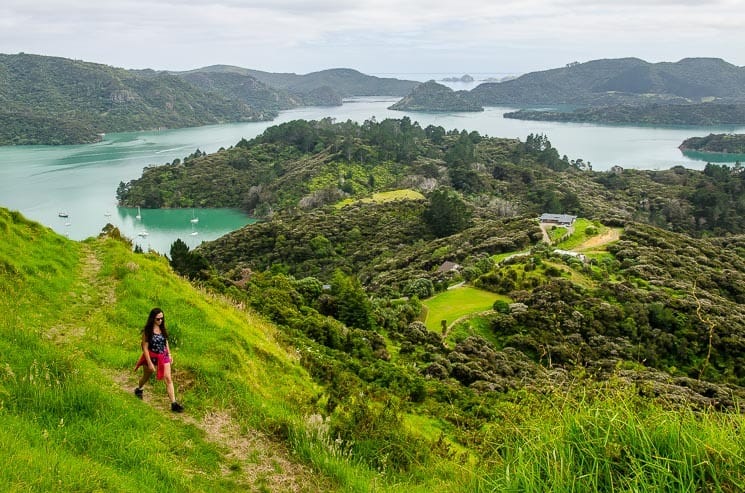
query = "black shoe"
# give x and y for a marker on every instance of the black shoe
(176, 407)
(138, 393)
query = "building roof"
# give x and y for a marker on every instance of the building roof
(448, 266)
(557, 218)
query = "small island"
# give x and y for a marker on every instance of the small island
(431, 96)
(716, 143)
(466, 78)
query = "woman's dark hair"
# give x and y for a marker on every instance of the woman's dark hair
(148, 329)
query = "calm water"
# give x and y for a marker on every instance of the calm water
(42, 181)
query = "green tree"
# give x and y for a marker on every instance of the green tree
(447, 213)
(353, 307)
(187, 263)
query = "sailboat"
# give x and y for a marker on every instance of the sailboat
(139, 215)
(194, 219)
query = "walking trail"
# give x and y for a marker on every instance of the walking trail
(250, 457)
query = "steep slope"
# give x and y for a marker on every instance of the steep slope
(71, 315)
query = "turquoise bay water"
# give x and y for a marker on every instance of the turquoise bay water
(81, 180)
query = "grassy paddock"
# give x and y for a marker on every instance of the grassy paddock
(380, 197)
(455, 303)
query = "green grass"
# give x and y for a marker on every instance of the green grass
(381, 197)
(474, 326)
(610, 439)
(69, 337)
(579, 234)
(556, 232)
(455, 303)
(501, 256)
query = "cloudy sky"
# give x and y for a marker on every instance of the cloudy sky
(373, 36)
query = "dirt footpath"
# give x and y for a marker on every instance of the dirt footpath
(609, 236)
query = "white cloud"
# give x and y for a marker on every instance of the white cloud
(372, 35)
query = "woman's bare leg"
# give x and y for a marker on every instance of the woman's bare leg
(169, 382)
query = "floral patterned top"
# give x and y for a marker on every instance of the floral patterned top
(157, 343)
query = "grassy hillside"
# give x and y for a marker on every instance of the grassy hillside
(70, 315)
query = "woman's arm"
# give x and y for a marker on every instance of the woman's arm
(146, 352)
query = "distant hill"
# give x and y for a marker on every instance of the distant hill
(76, 100)
(620, 81)
(432, 96)
(347, 82)
(52, 100)
(249, 90)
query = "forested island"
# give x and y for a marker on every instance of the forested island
(307, 164)
(651, 114)
(432, 96)
(718, 143)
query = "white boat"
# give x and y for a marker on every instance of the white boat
(142, 233)
(107, 214)
(63, 214)
(194, 219)
(139, 215)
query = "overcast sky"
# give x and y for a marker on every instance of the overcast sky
(373, 36)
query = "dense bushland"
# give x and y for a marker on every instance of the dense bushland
(723, 143)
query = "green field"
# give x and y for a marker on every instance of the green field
(380, 197)
(456, 303)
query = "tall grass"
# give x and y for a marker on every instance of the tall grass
(615, 441)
